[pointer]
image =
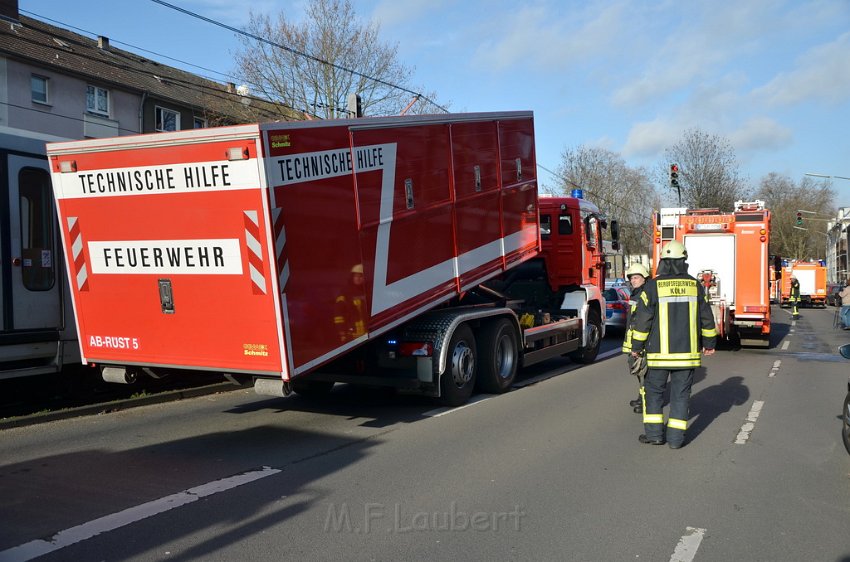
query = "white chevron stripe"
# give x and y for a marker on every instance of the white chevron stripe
(254, 245)
(284, 276)
(77, 246)
(82, 275)
(258, 279)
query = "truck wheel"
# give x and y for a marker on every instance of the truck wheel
(588, 354)
(499, 357)
(312, 389)
(845, 429)
(458, 380)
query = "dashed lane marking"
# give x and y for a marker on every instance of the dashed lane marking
(438, 412)
(68, 537)
(785, 345)
(775, 369)
(750, 424)
(688, 545)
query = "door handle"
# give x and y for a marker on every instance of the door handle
(16, 262)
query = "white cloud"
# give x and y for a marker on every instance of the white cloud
(821, 73)
(550, 38)
(650, 138)
(759, 134)
(393, 12)
(234, 14)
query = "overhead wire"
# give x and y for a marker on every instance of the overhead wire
(296, 52)
(186, 84)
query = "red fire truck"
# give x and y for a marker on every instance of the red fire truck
(727, 252)
(412, 252)
(812, 278)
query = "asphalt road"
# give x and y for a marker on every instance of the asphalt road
(550, 471)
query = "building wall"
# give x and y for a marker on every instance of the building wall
(65, 113)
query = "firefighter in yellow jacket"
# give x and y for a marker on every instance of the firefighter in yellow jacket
(637, 275)
(673, 324)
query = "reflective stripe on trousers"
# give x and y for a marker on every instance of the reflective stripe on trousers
(680, 393)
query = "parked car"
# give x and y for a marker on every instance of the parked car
(832, 290)
(844, 350)
(617, 282)
(616, 307)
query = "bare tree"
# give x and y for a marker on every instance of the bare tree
(784, 198)
(622, 192)
(708, 171)
(335, 44)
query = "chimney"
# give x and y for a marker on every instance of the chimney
(103, 42)
(9, 10)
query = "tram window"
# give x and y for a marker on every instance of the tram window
(38, 253)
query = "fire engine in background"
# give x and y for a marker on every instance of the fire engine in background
(774, 273)
(812, 278)
(411, 252)
(37, 333)
(727, 253)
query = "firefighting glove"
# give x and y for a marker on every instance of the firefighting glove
(638, 366)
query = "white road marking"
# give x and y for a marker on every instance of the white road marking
(688, 545)
(68, 537)
(785, 345)
(438, 412)
(748, 426)
(775, 369)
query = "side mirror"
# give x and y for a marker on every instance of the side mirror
(615, 231)
(844, 350)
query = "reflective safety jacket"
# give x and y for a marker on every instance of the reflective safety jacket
(673, 322)
(630, 318)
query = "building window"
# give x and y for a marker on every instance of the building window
(200, 123)
(38, 84)
(97, 100)
(167, 120)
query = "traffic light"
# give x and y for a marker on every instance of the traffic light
(674, 176)
(799, 218)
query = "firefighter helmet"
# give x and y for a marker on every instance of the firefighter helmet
(637, 269)
(674, 250)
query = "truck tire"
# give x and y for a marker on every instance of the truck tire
(458, 379)
(312, 389)
(588, 354)
(845, 423)
(498, 357)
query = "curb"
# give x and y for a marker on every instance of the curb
(117, 405)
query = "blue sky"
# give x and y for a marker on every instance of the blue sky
(771, 76)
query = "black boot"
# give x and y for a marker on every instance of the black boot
(635, 402)
(638, 409)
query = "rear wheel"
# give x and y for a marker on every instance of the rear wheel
(845, 427)
(499, 357)
(458, 379)
(588, 353)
